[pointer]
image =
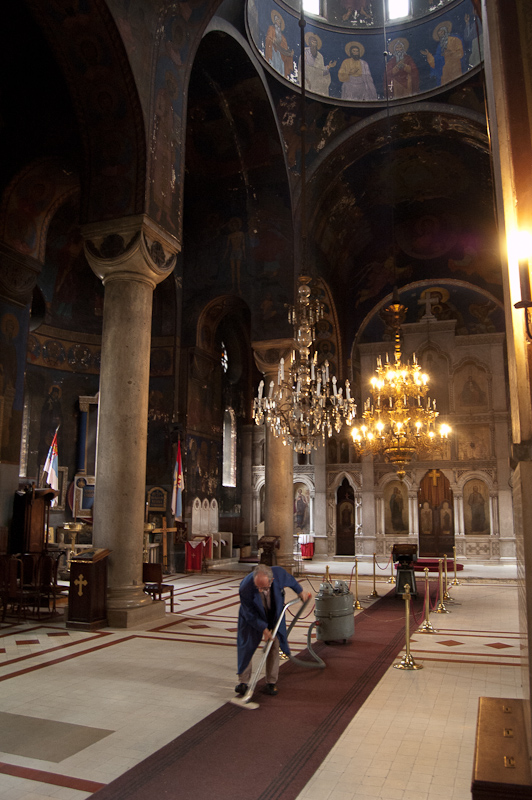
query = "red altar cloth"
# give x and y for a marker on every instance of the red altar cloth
(307, 550)
(195, 551)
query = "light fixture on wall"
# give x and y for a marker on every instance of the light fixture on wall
(520, 248)
(399, 419)
(306, 405)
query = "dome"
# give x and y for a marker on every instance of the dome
(357, 57)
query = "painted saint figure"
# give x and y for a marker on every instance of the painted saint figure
(317, 75)
(355, 75)
(402, 75)
(426, 518)
(396, 508)
(235, 249)
(478, 514)
(446, 64)
(276, 47)
(300, 509)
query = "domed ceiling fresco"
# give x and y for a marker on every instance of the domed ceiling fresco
(366, 64)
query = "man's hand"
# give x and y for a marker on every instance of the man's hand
(304, 596)
(267, 635)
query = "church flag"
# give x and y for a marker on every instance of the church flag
(178, 486)
(51, 467)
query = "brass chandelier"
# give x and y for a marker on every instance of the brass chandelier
(399, 419)
(306, 405)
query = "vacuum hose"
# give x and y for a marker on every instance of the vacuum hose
(307, 664)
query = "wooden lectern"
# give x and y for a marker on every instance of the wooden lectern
(87, 597)
(29, 527)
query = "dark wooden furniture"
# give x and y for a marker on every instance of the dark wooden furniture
(152, 575)
(502, 769)
(15, 594)
(31, 508)
(87, 596)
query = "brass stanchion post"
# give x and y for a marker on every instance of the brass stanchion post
(426, 626)
(357, 605)
(455, 582)
(391, 579)
(446, 595)
(441, 607)
(374, 592)
(407, 662)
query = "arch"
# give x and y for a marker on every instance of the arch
(210, 318)
(29, 203)
(93, 58)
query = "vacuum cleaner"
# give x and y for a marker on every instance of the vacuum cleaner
(334, 620)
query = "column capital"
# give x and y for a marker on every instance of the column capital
(18, 275)
(269, 352)
(131, 248)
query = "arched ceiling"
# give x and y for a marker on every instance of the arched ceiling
(400, 199)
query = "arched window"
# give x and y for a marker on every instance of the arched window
(398, 9)
(224, 357)
(229, 448)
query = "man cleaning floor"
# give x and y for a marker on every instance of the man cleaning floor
(261, 602)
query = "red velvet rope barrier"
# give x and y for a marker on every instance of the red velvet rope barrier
(386, 565)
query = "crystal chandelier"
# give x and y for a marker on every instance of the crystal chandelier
(306, 405)
(399, 419)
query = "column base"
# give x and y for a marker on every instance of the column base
(136, 617)
(285, 560)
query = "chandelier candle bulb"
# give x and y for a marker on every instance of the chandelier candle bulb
(261, 389)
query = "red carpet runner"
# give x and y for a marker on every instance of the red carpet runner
(271, 753)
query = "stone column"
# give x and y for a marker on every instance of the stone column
(18, 277)
(131, 256)
(279, 461)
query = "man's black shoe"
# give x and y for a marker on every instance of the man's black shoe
(271, 688)
(241, 688)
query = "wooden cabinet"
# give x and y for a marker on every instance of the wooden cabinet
(87, 596)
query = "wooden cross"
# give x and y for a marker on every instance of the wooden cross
(435, 474)
(164, 530)
(80, 583)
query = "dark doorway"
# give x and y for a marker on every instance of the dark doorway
(436, 522)
(345, 520)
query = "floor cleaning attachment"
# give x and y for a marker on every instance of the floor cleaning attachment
(246, 701)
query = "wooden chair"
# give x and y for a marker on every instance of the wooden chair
(14, 592)
(46, 584)
(152, 575)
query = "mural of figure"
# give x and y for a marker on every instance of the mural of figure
(85, 494)
(472, 41)
(276, 47)
(236, 250)
(478, 515)
(346, 515)
(166, 140)
(8, 376)
(355, 75)
(317, 75)
(301, 510)
(425, 518)
(446, 64)
(51, 418)
(402, 75)
(472, 394)
(356, 11)
(446, 518)
(396, 508)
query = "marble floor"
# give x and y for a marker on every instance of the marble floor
(78, 709)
